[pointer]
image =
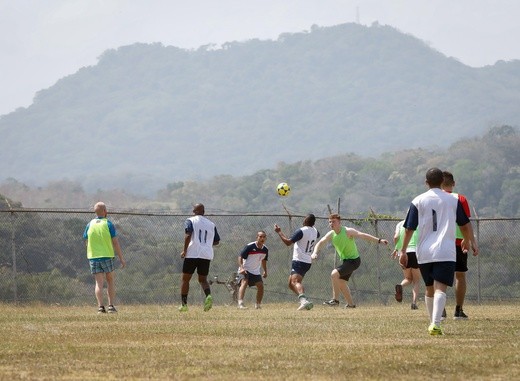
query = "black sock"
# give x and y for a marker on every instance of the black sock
(184, 299)
(207, 291)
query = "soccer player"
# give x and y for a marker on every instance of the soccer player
(343, 240)
(251, 261)
(436, 213)
(461, 266)
(200, 236)
(101, 240)
(304, 240)
(411, 272)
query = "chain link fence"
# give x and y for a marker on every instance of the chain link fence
(43, 259)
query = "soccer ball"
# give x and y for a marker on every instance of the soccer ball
(283, 189)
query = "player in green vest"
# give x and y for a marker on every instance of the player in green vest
(343, 240)
(102, 242)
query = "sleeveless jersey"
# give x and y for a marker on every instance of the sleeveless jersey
(345, 246)
(99, 239)
(203, 234)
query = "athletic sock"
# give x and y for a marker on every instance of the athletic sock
(207, 291)
(184, 299)
(428, 301)
(439, 302)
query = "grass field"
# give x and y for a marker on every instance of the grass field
(277, 342)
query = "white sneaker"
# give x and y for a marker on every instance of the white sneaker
(242, 307)
(258, 306)
(305, 305)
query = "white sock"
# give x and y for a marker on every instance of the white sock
(439, 302)
(428, 301)
(240, 302)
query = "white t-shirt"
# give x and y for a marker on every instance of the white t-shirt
(435, 213)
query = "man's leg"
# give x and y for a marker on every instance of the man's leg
(100, 281)
(111, 287)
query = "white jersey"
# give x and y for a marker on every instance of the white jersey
(436, 214)
(203, 233)
(304, 240)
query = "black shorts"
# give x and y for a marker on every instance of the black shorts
(347, 267)
(300, 268)
(443, 272)
(412, 261)
(252, 279)
(190, 264)
(462, 260)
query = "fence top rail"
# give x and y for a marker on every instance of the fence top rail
(160, 213)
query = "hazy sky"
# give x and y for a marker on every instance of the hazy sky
(42, 41)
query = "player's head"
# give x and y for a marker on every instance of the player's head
(434, 177)
(448, 180)
(261, 236)
(100, 209)
(334, 221)
(310, 220)
(198, 209)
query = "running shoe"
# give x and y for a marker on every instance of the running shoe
(399, 293)
(183, 308)
(435, 329)
(460, 315)
(332, 303)
(111, 309)
(208, 303)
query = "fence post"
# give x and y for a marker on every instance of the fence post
(478, 261)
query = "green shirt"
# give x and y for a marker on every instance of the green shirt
(99, 239)
(345, 246)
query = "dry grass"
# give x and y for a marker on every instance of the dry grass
(277, 342)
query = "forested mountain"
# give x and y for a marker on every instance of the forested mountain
(486, 170)
(148, 115)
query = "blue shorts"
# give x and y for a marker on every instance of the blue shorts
(101, 265)
(252, 279)
(443, 272)
(300, 268)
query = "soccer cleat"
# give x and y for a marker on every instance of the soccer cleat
(242, 307)
(183, 308)
(399, 293)
(305, 305)
(460, 315)
(332, 303)
(414, 306)
(350, 306)
(208, 303)
(435, 330)
(101, 310)
(111, 309)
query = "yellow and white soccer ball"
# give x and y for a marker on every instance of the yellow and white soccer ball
(283, 189)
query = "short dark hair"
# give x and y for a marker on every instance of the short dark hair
(434, 177)
(309, 220)
(448, 178)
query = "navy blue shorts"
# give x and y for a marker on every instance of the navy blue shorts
(252, 279)
(347, 267)
(300, 268)
(190, 264)
(443, 272)
(462, 260)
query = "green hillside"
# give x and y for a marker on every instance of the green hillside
(148, 115)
